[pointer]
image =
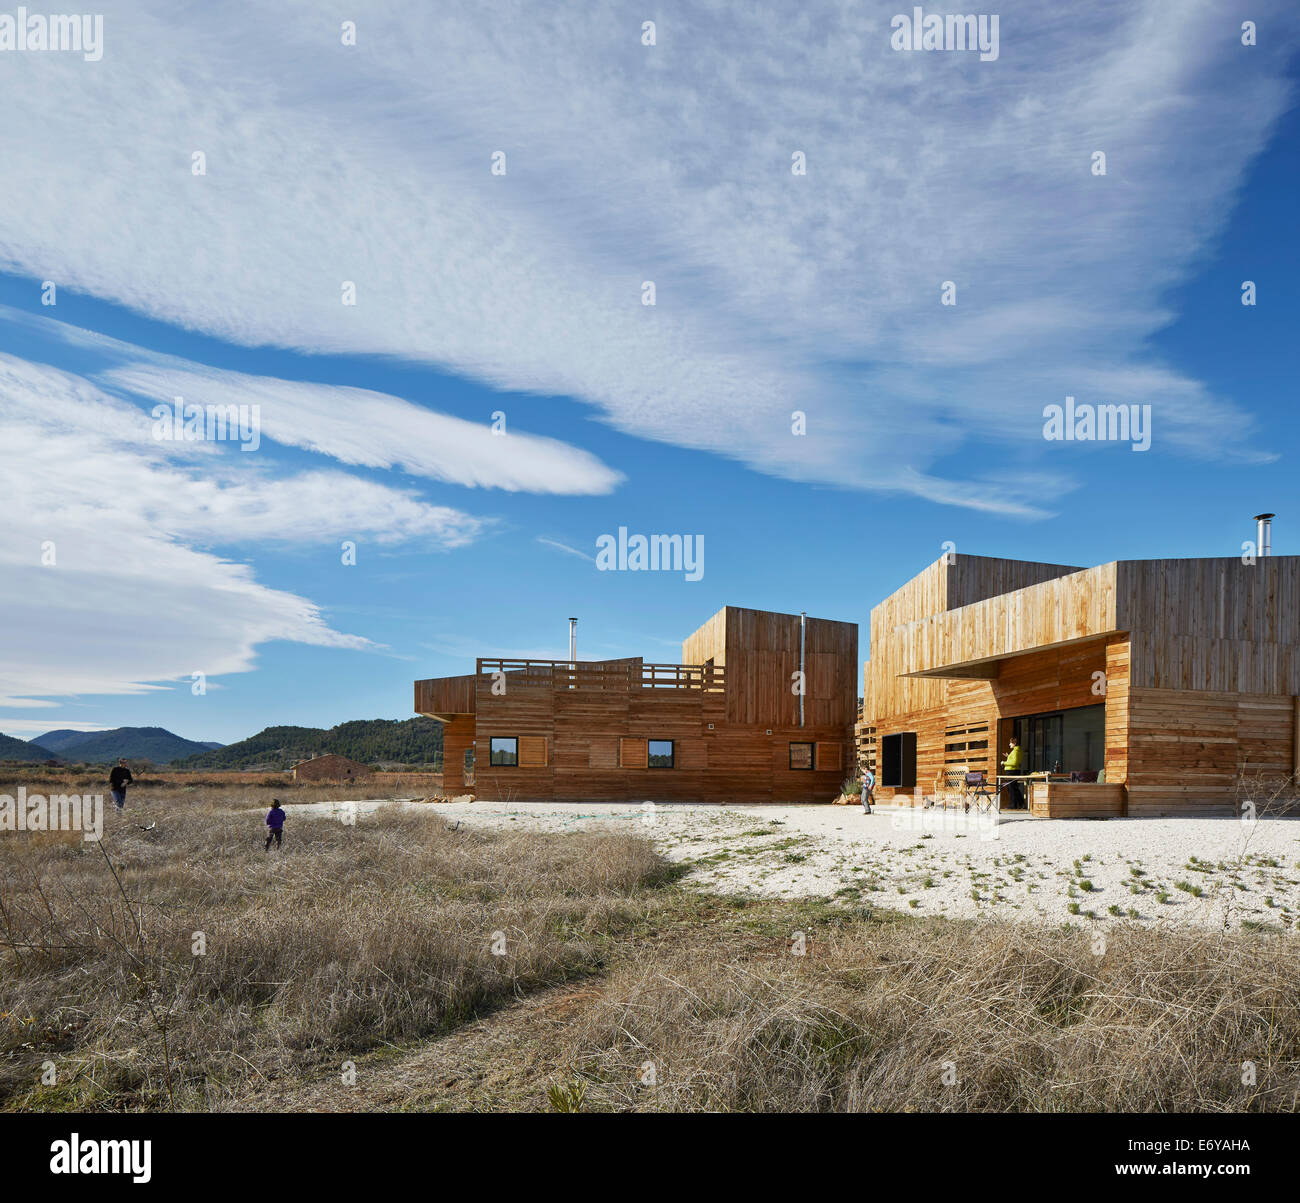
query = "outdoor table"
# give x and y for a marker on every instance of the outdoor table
(1026, 779)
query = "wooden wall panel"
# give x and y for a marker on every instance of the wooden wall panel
(602, 752)
(830, 756)
(1214, 625)
(691, 753)
(633, 753)
(1117, 711)
(457, 739)
(1201, 662)
(445, 696)
(1062, 800)
(1055, 679)
(532, 752)
(760, 650)
(928, 599)
(1187, 747)
(579, 736)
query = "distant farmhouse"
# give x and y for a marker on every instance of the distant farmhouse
(330, 768)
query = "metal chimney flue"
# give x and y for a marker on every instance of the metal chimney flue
(573, 641)
(1264, 534)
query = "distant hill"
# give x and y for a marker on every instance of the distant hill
(156, 744)
(20, 749)
(56, 741)
(404, 741)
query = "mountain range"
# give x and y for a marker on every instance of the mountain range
(399, 741)
(155, 744)
(20, 749)
(395, 741)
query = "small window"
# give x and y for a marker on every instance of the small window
(661, 753)
(801, 756)
(504, 751)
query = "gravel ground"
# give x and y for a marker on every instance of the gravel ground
(1173, 872)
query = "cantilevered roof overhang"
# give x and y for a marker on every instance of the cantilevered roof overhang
(971, 641)
(987, 669)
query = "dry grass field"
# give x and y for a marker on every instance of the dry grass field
(403, 963)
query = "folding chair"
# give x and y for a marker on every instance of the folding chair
(978, 791)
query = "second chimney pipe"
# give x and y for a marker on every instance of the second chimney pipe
(1264, 535)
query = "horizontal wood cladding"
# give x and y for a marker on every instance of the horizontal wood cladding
(1066, 800)
(1187, 748)
(972, 711)
(457, 739)
(1117, 711)
(597, 748)
(830, 756)
(1201, 663)
(1055, 679)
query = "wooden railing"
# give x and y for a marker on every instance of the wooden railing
(620, 675)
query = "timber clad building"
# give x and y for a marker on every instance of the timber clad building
(1163, 678)
(1138, 687)
(726, 724)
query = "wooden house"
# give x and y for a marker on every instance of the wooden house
(728, 723)
(1153, 683)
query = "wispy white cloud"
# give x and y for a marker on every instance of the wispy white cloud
(26, 728)
(671, 163)
(573, 551)
(375, 430)
(110, 580)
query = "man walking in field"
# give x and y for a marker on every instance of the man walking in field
(118, 780)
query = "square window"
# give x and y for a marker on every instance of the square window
(661, 753)
(504, 751)
(801, 756)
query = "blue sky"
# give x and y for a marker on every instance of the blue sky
(522, 294)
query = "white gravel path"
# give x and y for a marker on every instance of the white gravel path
(941, 863)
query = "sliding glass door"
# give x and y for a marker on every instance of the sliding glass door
(1065, 741)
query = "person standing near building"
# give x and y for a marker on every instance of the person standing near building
(118, 780)
(868, 788)
(1014, 766)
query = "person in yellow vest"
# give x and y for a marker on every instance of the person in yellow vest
(1014, 766)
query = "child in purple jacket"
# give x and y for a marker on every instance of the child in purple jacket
(275, 824)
